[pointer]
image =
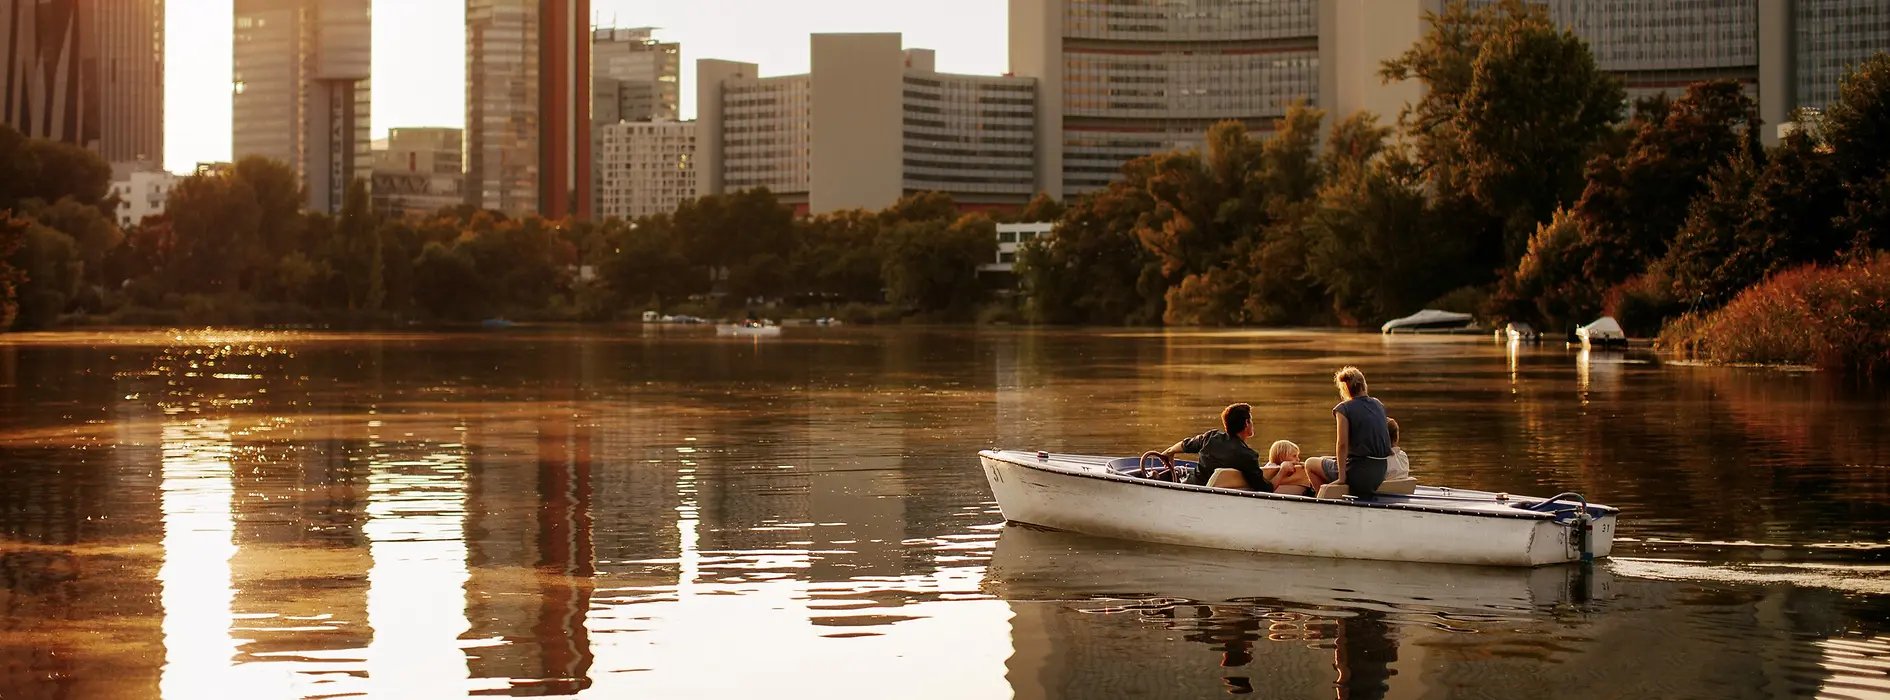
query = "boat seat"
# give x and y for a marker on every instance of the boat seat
(1228, 479)
(1334, 491)
(1398, 487)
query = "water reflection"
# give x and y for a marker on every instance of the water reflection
(416, 602)
(198, 544)
(299, 515)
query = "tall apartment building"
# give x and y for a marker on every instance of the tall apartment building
(645, 167)
(419, 170)
(127, 38)
(302, 93)
(868, 124)
(528, 112)
(49, 80)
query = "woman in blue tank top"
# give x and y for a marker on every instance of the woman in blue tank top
(1364, 438)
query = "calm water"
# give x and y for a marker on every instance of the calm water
(672, 515)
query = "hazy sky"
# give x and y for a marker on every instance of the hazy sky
(420, 54)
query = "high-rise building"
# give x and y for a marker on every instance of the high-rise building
(1118, 80)
(645, 167)
(419, 170)
(636, 77)
(50, 81)
(528, 117)
(868, 124)
(127, 39)
(302, 93)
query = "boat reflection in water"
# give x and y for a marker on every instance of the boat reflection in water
(1278, 625)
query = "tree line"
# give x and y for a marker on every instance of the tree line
(1522, 186)
(237, 247)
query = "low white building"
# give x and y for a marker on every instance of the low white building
(142, 189)
(645, 168)
(1009, 237)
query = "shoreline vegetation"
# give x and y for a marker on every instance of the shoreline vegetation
(1523, 186)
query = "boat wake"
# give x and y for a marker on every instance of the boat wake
(1868, 579)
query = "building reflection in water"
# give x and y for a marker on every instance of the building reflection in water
(198, 544)
(416, 586)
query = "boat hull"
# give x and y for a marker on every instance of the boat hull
(1094, 500)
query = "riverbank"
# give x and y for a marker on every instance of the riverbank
(1831, 317)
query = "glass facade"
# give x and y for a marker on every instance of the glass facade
(1190, 20)
(767, 134)
(1832, 36)
(1662, 35)
(302, 93)
(1148, 76)
(969, 134)
(1232, 85)
(502, 121)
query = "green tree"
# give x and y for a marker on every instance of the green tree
(1512, 109)
(53, 276)
(931, 265)
(1092, 268)
(1633, 206)
(836, 258)
(448, 284)
(12, 238)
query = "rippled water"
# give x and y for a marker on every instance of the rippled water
(671, 515)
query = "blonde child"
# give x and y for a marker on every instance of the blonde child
(1291, 477)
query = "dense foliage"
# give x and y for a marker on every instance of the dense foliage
(236, 247)
(1832, 317)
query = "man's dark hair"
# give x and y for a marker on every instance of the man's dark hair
(1236, 417)
(1391, 426)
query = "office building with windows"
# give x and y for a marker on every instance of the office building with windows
(528, 107)
(302, 93)
(418, 170)
(49, 80)
(127, 38)
(645, 167)
(1117, 80)
(871, 122)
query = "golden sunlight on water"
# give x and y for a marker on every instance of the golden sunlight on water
(292, 514)
(417, 587)
(198, 648)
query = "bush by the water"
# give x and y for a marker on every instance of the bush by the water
(1835, 317)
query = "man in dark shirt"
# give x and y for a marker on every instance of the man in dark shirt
(1225, 449)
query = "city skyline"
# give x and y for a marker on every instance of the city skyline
(420, 76)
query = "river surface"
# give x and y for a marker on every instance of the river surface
(667, 514)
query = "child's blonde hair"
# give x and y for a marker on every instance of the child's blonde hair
(1280, 450)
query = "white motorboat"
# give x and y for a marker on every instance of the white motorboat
(1035, 564)
(1107, 497)
(1604, 332)
(1431, 321)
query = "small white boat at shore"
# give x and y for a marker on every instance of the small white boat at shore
(1431, 321)
(1605, 332)
(1104, 496)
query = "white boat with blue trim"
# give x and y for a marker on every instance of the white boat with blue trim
(1109, 497)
